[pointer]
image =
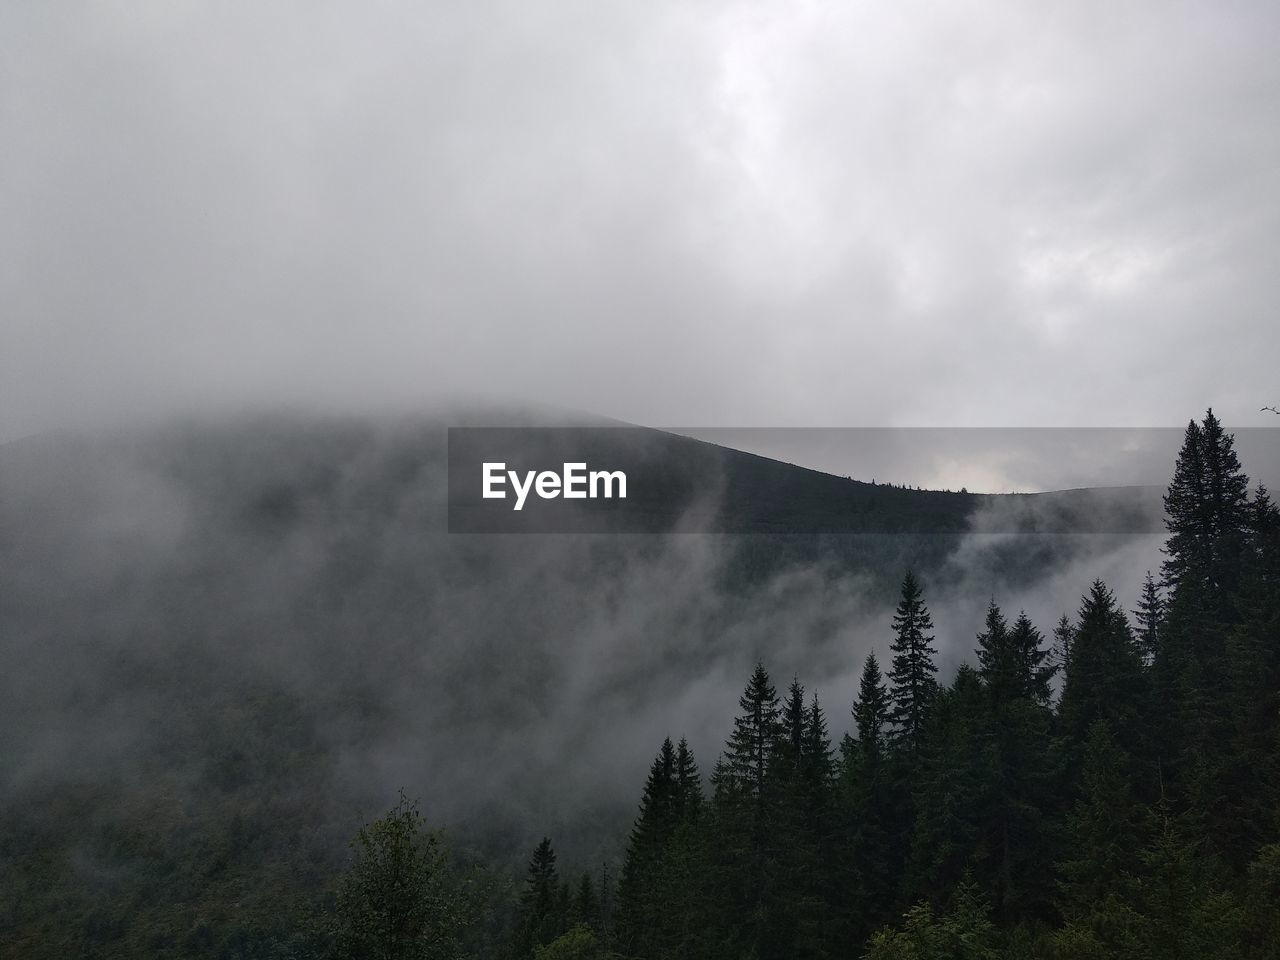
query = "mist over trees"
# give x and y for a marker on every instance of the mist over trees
(1105, 786)
(1130, 814)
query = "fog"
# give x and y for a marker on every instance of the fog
(725, 214)
(190, 605)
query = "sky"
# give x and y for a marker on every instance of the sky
(719, 214)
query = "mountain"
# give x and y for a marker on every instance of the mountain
(225, 644)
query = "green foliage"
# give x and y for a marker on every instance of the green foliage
(397, 901)
(1105, 829)
(578, 943)
(964, 933)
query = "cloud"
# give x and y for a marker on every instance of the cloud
(719, 214)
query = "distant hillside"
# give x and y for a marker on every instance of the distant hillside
(222, 645)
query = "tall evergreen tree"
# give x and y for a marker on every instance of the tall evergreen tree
(871, 710)
(870, 857)
(1104, 678)
(1206, 515)
(999, 664)
(688, 784)
(658, 889)
(1060, 654)
(913, 687)
(749, 755)
(953, 786)
(584, 909)
(747, 801)
(1013, 842)
(1150, 619)
(1242, 814)
(542, 903)
(811, 866)
(1106, 829)
(793, 724)
(1036, 669)
(639, 889)
(817, 768)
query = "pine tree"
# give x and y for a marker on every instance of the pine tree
(1186, 917)
(811, 861)
(1206, 513)
(1063, 634)
(1106, 828)
(1013, 840)
(871, 710)
(542, 903)
(1242, 814)
(688, 782)
(747, 802)
(793, 724)
(913, 687)
(1104, 678)
(639, 890)
(754, 744)
(681, 926)
(1150, 619)
(869, 858)
(998, 662)
(584, 910)
(1036, 668)
(816, 765)
(953, 785)
(1188, 547)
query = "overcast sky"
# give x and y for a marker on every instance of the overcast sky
(693, 213)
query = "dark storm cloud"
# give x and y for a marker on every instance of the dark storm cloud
(737, 214)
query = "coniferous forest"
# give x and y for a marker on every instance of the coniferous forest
(1103, 787)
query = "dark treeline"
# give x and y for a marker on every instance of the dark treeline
(1107, 790)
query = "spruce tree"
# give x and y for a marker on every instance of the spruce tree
(1150, 619)
(1013, 840)
(1036, 669)
(812, 864)
(817, 769)
(639, 889)
(1060, 654)
(584, 910)
(747, 802)
(793, 724)
(1206, 513)
(871, 710)
(750, 753)
(1104, 678)
(954, 781)
(870, 856)
(1106, 829)
(542, 903)
(998, 663)
(913, 687)
(685, 876)
(1243, 813)
(688, 783)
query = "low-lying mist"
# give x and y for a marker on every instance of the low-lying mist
(269, 614)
